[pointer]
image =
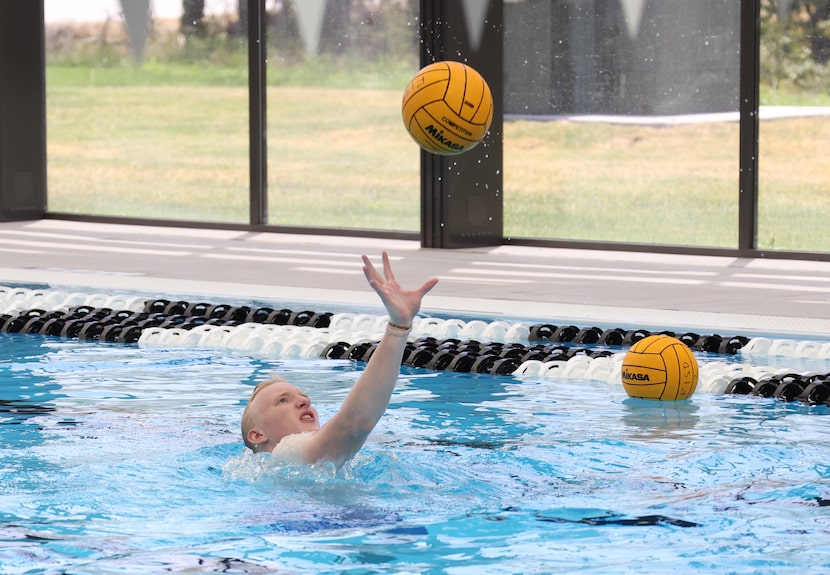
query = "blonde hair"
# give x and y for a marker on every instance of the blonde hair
(247, 415)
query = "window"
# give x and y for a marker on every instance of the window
(338, 154)
(621, 121)
(147, 113)
(794, 191)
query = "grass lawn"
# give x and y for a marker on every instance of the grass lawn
(341, 158)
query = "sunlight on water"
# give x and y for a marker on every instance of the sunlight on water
(127, 460)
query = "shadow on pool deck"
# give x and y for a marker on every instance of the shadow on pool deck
(585, 287)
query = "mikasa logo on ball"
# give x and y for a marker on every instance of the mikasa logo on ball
(439, 137)
(631, 375)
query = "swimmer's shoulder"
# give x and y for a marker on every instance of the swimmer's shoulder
(294, 448)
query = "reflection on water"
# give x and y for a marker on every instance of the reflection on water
(122, 459)
(659, 418)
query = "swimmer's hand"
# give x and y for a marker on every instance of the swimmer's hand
(401, 305)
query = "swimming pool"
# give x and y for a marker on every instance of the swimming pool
(125, 458)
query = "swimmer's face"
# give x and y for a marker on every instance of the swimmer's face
(277, 410)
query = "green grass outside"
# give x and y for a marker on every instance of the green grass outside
(160, 142)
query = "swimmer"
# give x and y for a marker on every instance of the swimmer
(280, 419)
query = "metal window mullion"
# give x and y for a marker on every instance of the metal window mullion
(749, 90)
(258, 160)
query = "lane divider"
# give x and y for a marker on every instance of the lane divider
(537, 351)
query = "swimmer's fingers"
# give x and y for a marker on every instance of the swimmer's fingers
(428, 285)
(387, 267)
(373, 276)
(401, 304)
(379, 283)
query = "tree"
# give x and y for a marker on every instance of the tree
(810, 19)
(795, 43)
(818, 29)
(192, 22)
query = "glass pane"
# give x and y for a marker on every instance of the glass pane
(621, 121)
(147, 114)
(338, 154)
(793, 171)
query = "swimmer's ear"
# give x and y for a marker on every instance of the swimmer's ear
(255, 436)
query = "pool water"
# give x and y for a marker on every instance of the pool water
(120, 459)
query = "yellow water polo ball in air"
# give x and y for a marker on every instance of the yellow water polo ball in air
(659, 367)
(447, 108)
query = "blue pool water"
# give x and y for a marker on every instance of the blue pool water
(120, 459)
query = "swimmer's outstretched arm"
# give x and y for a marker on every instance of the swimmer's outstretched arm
(344, 434)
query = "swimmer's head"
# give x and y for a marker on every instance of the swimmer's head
(276, 409)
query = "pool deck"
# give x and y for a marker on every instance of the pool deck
(708, 294)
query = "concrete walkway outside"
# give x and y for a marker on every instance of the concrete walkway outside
(729, 296)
